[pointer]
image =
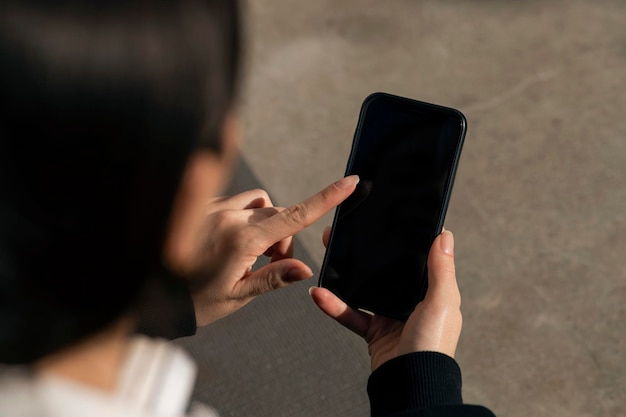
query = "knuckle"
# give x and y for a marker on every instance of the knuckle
(327, 195)
(262, 193)
(261, 197)
(297, 214)
(270, 283)
(449, 268)
(443, 263)
(256, 291)
(222, 217)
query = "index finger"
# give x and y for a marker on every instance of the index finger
(294, 219)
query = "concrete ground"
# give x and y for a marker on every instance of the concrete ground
(538, 210)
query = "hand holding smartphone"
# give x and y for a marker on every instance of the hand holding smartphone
(406, 153)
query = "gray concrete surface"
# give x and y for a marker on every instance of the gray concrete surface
(538, 210)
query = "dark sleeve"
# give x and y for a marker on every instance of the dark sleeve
(166, 308)
(421, 384)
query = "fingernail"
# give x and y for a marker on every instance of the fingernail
(447, 242)
(347, 182)
(311, 290)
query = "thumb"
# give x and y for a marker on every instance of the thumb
(273, 276)
(436, 323)
(442, 284)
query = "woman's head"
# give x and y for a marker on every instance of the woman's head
(103, 103)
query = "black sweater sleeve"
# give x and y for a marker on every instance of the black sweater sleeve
(166, 308)
(421, 384)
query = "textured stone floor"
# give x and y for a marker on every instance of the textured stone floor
(538, 210)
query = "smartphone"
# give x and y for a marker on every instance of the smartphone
(406, 153)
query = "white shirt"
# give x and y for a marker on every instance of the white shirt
(156, 381)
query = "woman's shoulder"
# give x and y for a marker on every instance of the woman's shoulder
(157, 379)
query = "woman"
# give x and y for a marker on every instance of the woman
(117, 129)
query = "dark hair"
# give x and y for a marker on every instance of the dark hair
(101, 104)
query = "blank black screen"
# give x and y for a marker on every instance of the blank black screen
(405, 153)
